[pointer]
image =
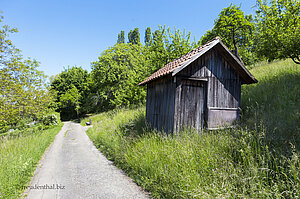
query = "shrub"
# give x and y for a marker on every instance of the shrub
(50, 120)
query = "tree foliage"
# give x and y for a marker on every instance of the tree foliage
(148, 37)
(23, 88)
(236, 30)
(120, 68)
(177, 43)
(70, 100)
(158, 50)
(134, 36)
(23, 92)
(72, 87)
(7, 50)
(168, 45)
(121, 37)
(116, 74)
(278, 29)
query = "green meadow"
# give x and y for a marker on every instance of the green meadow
(20, 153)
(257, 159)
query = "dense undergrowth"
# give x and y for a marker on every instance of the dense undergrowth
(258, 159)
(20, 152)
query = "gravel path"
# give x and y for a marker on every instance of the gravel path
(73, 168)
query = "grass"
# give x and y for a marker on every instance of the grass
(274, 102)
(259, 159)
(19, 155)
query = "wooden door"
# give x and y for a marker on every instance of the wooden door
(192, 104)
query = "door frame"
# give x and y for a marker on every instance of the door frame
(204, 82)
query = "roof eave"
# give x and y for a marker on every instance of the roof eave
(143, 83)
(244, 73)
(249, 78)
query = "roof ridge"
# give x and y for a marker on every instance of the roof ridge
(198, 48)
(171, 66)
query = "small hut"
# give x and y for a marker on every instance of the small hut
(201, 89)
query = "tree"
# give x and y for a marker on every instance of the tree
(278, 29)
(23, 91)
(177, 43)
(134, 36)
(158, 40)
(148, 37)
(72, 87)
(8, 51)
(70, 100)
(117, 73)
(157, 50)
(236, 30)
(120, 68)
(168, 45)
(121, 38)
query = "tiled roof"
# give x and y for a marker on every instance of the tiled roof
(176, 63)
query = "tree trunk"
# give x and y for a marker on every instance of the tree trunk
(236, 53)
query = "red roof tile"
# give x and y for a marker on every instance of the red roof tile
(176, 63)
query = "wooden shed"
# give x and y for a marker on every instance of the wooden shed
(201, 89)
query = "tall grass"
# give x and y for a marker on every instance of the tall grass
(244, 162)
(275, 101)
(19, 155)
(232, 163)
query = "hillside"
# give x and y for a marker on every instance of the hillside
(258, 159)
(274, 102)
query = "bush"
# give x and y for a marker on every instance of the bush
(50, 120)
(4, 128)
(23, 123)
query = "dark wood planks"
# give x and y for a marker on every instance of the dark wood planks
(160, 104)
(185, 100)
(191, 105)
(224, 86)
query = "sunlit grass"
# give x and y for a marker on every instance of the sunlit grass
(274, 101)
(19, 155)
(245, 162)
(232, 163)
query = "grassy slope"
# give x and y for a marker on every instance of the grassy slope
(19, 155)
(232, 163)
(275, 101)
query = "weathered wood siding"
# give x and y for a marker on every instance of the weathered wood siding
(223, 87)
(160, 104)
(207, 93)
(190, 104)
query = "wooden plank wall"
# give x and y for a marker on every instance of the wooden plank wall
(224, 86)
(160, 104)
(189, 106)
(164, 109)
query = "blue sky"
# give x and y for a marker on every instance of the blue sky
(62, 33)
